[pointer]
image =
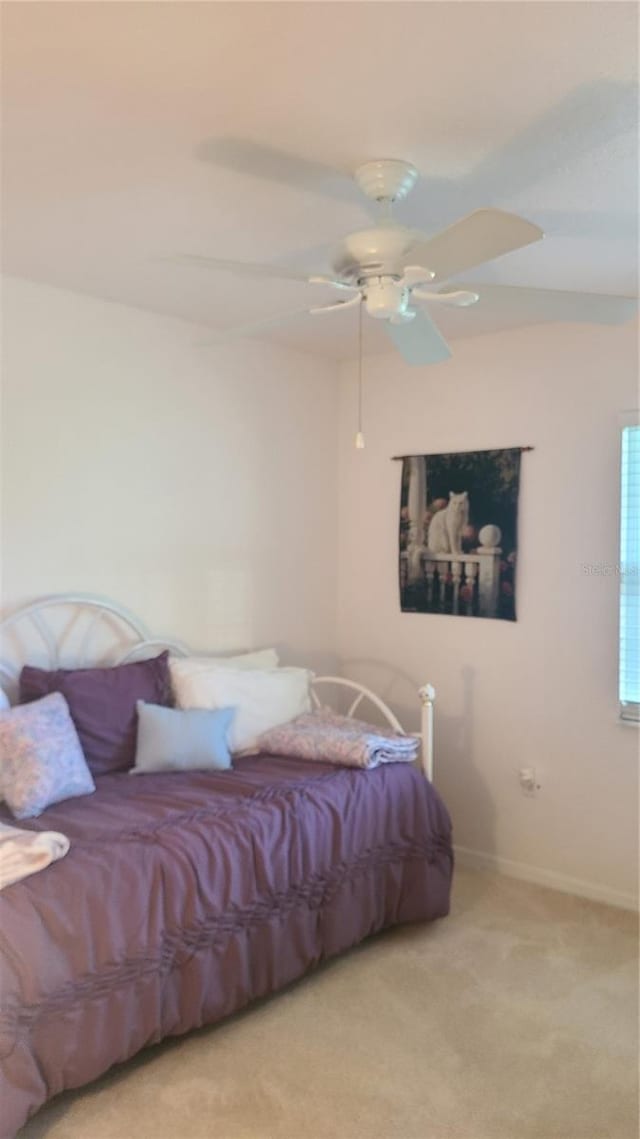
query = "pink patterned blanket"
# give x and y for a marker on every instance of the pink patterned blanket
(327, 737)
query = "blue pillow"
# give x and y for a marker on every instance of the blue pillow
(175, 739)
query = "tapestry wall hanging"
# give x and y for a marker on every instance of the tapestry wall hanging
(459, 533)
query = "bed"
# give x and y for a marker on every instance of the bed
(185, 896)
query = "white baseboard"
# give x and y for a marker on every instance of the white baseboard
(478, 860)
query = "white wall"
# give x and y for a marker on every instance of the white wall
(195, 485)
(539, 692)
(199, 487)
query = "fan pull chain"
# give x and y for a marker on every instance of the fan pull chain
(359, 434)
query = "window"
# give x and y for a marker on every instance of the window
(629, 686)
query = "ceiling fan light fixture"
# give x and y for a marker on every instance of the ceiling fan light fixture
(384, 297)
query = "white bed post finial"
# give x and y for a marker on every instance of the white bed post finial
(427, 696)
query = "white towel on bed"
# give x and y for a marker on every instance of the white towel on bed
(24, 852)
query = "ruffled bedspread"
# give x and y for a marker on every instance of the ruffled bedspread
(186, 895)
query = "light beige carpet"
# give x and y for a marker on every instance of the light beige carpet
(514, 1018)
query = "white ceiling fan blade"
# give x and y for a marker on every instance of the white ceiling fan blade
(538, 306)
(250, 269)
(337, 305)
(334, 283)
(481, 236)
(459, 298)
(253, 327)
(585, 119)
(419, 341)
(258, 160)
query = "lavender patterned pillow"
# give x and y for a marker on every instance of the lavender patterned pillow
(41, 761)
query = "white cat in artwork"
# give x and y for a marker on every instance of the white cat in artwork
(447, 525)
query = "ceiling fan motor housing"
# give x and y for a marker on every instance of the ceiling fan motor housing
(380, 251)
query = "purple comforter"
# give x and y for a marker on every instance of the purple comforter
(185, 896)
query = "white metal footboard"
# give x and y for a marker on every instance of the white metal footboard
(427, 697)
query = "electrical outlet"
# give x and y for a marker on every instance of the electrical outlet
(529, 784)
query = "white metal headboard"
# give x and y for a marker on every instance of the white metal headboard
(76, 630)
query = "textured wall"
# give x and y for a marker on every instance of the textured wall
(196, 485)
(542, 691)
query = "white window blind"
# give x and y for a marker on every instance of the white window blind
(630, 574)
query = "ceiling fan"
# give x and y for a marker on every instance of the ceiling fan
(390, 270)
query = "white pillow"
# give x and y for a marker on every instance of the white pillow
(262, 698)
(183, 668)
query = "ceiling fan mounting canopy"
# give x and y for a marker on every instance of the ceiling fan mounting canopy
(386, 179)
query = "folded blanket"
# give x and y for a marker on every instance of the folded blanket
(24, 852)
(327, 737)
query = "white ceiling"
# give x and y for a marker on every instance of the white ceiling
(128, 128)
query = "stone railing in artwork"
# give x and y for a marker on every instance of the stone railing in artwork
(460, 583)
